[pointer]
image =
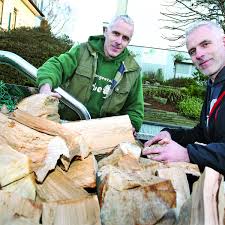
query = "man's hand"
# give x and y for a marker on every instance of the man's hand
(168, 151)
(161, 135)
(46, 89)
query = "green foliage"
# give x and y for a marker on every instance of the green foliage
(178, 57)
(34, 45)
(180, 82)
(200, 78)
(5, 98)
(153, 77)
(159, 75)
(173, 95)
(196, 91)
(190, 107)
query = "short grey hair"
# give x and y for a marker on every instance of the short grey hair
(125, 18)
(207, 23)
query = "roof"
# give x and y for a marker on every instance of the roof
(36, 8)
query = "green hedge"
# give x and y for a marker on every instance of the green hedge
(32, 44)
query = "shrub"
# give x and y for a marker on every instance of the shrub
(200, 78)
(173, 95)
(32, 44)
(159, 75)
(190, 107)
(180, 82)
(196, 91)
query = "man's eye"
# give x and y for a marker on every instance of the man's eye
(205, 44)
(192, 52)
(116, 33)
(125, 38)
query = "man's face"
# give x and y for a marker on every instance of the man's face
(206, 47)
(117, 37)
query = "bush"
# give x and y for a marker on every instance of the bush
(180, 82)
(32, 44)
(190, 107)
(153, 77)
(200, 78)
(196, 91)
(173, 95)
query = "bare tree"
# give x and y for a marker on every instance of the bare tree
(57, 13)
(177, 15)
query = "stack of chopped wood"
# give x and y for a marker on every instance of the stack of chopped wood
(49, 174)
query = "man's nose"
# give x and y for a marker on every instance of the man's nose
(119, 39)
(199, 53)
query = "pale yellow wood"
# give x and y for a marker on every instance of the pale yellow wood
(43, 150)
(12, 205)
(57, 187)
(41, 105)
(75, 142)
(83, 172)
(13, 165)
(180, 184)
(102, 135)
(204, 198)
(72, 212)
(124, 148)
(25, 187)
(128, 197)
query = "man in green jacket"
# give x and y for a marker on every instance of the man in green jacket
(101, 73)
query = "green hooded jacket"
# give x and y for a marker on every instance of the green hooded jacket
(85, 73)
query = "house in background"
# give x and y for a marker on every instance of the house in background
(173, 64)
(17, 13)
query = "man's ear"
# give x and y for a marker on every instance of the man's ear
(105, 31)
(224, 40)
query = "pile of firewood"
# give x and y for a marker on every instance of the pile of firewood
(91, 172)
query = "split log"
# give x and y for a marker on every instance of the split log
(41, 105)
(13, 165)
(82, 211)
(83, 172)
(123, 149)
(133, 198)
(14, 207)
(74, 140)
(25, 187)
(43, 150)
(180, 185)
(205, 202)
(103, 135)
(57, 187)
(64, 203)
(153, 166)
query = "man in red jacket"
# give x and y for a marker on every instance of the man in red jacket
(203, 145)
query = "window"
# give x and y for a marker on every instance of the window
(1, 10)
(13, 19)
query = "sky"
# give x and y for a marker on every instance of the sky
(87, 19)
